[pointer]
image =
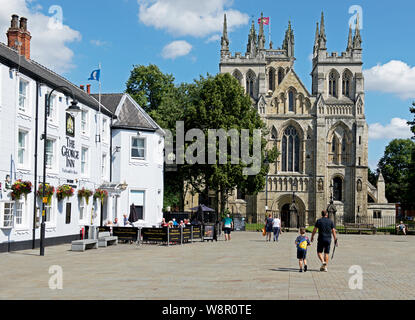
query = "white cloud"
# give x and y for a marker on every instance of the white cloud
(176, 49)
(394, 77)
(190, 17)
(49, 43)
(214, 38)
(396, 129)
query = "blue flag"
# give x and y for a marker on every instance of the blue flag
(95, 75)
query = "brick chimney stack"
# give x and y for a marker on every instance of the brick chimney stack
(18, 37)
(88, 88)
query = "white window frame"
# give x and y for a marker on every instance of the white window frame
(104, 129)
(104, 165)
(52, 166)
(51, 222)
(22, 223)
(85, 172)
(26, 103)
(83, 207)
(53, 108)
(10, 215)
(145, 148)
(85, 122)
(25, 163)
(144, 200)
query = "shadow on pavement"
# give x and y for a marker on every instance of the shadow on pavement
(292, 270)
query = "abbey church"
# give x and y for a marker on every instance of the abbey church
(321, 134)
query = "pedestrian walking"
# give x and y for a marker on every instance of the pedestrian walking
(276, 228)
(302, 242)
(268, 227)
(227, 227)
(326, 229)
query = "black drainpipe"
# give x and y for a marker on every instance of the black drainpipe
(35, 164)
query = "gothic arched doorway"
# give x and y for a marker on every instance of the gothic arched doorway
(285, 216)
(289, 220)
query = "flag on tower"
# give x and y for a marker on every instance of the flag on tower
(265, 21)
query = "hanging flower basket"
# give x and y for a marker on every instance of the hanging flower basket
(21, 187)
(49, 191)
(64, 191)
(100, 194)
(85, 193)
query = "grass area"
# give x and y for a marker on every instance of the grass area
(254, 226)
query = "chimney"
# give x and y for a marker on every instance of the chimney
(88, 88)
(18, 37)
(82, 87)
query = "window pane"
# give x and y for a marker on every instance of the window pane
(137, 198)
(284, 153)
(290, 153)
(297, 154)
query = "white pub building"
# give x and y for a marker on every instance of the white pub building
(114, 147)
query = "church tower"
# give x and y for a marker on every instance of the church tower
(341, 161)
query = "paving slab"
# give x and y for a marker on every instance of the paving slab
(245, 268)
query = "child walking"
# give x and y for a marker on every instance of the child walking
(302, 242)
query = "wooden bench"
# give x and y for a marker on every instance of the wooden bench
(359, 227)
(105, 239)
(81, 245)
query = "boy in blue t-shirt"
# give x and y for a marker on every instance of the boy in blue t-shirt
(302, 242)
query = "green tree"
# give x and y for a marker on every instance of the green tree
(220, 103)
(395, 166)
(412, 123)
(148, 85)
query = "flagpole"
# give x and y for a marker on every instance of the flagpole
(269, 31)
(99, 134)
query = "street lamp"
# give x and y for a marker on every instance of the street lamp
(266, 162)
(73, 108)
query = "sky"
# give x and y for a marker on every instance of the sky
(182, 37)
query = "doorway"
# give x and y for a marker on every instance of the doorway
(285, 216)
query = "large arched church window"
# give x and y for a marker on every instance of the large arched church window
(250, 84)
(290, 150)
(333, 84)
(238, 75)
(334, 149)
(271, 79)
(291, 101)
(347, 84)
(337, 189)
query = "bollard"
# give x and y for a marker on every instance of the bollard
(191, 234)
(168, 236)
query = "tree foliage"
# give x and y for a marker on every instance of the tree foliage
(395, 166)
(148, 85)
(412, 123)
(211, 102)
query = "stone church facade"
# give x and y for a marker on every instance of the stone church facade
(322, 134)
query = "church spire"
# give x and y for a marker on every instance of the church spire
(252, 42)
(317, 37)
(357, 40)
(224, 40)
(288, 43)
(350, 40)
(322, 38)
(261, 36)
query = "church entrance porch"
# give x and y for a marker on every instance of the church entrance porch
(292, 213)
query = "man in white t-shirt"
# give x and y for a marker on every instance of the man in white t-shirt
(276, 228)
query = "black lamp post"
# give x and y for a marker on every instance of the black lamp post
(266, 162)
(73, 108)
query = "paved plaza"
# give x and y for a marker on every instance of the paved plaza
(245, 268)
